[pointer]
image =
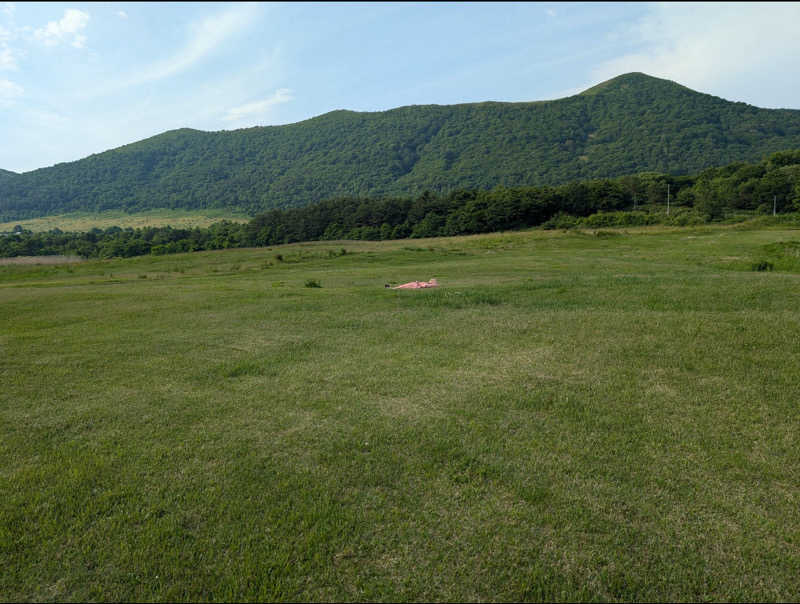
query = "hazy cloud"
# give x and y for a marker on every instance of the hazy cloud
(9, 92)
(7, 8)
(207, 35)
(8, 55)
(8, 62)
(122, 14)
(66, 30)
(48, 119)
(730, 48)
(259, 108)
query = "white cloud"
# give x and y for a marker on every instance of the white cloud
(122, 14)
(207, 35)
(9, 92)
(258, 108)
(550, 12)
(67, 29)
(8, 62)
(8, 8)
(731, 49)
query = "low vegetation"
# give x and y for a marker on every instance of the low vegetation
(593, 414)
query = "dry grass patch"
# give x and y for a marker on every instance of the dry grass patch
(81, 222)
(40, 260)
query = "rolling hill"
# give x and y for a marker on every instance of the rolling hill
(629, 124)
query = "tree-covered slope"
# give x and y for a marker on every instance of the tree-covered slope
(630, 124)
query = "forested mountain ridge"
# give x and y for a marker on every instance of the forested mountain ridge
(630, 124)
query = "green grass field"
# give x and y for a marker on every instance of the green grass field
(570, 416)
(85, 221)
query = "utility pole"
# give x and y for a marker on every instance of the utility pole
(774, 204)
(667, 199)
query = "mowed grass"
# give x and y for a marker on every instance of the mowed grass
(86, 221)
(570, 416)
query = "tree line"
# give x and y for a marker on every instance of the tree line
(769, 186)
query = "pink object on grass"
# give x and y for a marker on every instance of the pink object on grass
(418, 284)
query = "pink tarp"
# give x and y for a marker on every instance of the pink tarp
(418, 284)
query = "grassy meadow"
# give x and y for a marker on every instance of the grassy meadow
(86, 221)
(607, 415)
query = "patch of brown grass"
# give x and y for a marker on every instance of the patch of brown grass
(25, 260)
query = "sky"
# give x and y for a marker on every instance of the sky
(80, 78)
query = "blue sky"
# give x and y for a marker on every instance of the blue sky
(80, 78)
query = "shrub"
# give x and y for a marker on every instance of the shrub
(312, 283)
(617, 219)
(685, 217)
(561, 221)
(606, 234)
(762, 265)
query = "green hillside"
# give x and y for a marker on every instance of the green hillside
(630, 124)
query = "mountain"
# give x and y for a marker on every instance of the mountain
(629, 124)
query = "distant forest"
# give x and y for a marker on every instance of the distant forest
(772, 185)
(631, 124)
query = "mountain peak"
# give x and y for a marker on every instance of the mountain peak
(633, 80)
